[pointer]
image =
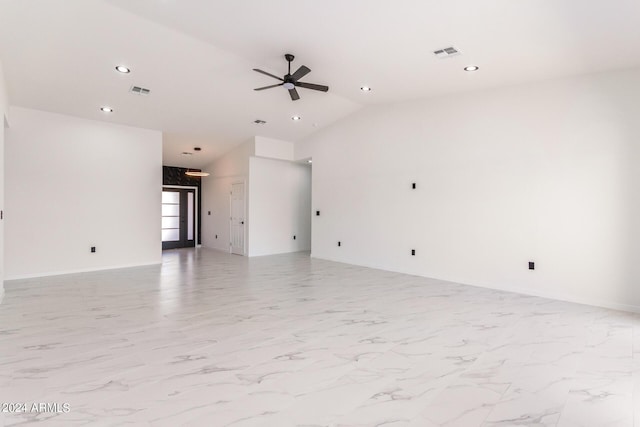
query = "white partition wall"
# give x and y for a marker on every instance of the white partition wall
(231, 168)
(277, 199)
(73, 184)
(280, 206)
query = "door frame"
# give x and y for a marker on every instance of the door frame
(196, 211)
(244, 214)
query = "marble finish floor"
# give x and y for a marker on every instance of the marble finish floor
(210, 339)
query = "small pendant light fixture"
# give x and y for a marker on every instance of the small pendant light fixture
(195, 173)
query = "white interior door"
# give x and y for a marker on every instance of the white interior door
(237, 218)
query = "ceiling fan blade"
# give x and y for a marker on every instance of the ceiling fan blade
(269, 87)
(302, 71)
(268, 74)
(294, 94)
(312, 86)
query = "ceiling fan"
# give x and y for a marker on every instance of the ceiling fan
(291, 81)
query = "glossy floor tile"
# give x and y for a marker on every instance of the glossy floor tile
(211, 339)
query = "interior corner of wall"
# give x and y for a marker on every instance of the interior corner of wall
(274, 148)
(251, 146)
(301, 150)
(4, 98)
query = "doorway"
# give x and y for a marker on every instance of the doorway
(237, 218)
(179, 206)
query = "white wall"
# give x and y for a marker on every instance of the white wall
(277, 199)
(280, 196)
(274, 148)
(228, 169)
(4, 121)
(546, 172)
(74, 183)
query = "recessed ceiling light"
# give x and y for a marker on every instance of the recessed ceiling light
(365, 89)
(471, 68)
(296, 118)
(106, 109)
(122, 69)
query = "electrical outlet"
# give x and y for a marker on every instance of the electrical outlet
(93, 249)
(317, 213)
(413, 185)
(208, 212)
(413, 252)
(294, 237)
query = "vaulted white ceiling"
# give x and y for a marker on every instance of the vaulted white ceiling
(197, 56)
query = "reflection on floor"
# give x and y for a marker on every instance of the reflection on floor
(211, 339)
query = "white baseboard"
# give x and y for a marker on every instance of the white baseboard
(87, 270)
(279, 253)
(567, 298)
(226, 251)
(517, 290)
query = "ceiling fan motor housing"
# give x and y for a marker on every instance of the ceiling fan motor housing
(291, 81)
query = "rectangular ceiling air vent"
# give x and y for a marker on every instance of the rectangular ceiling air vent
(447, 52)
(137, 90)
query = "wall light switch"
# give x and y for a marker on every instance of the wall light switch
(532, 265)
(339, 244)
(317, 213)
(93, 249)
(413, 252)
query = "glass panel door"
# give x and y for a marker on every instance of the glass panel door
(178, 218)
(170, 216)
